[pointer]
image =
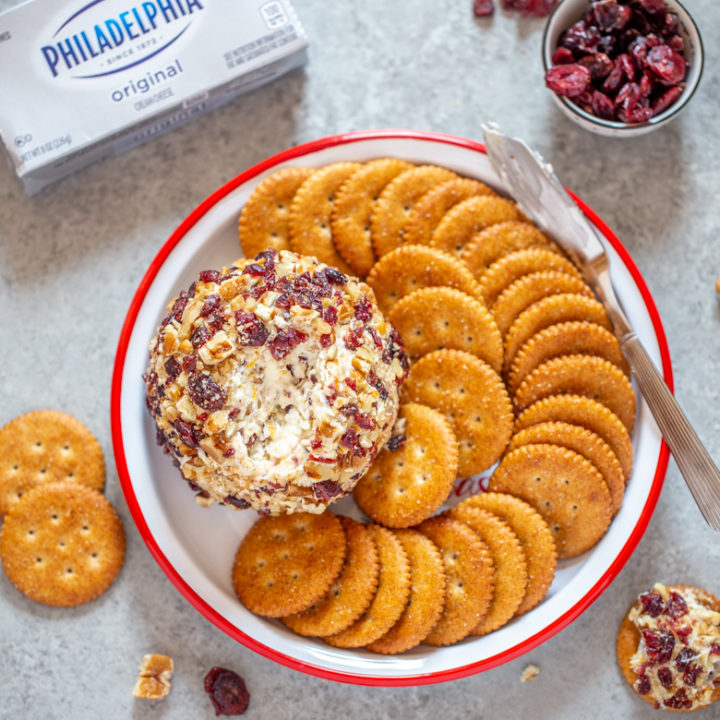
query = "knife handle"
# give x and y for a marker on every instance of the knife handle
(696, 465)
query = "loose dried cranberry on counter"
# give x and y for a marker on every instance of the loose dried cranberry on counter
(227, 691)
(634, 55)
(483, 8)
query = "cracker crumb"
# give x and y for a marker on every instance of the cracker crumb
(153, 682)
(717, 285)
(530, 672)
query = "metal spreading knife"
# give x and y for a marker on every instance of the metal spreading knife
(539, 193)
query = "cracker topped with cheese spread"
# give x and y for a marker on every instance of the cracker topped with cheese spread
(274, 383)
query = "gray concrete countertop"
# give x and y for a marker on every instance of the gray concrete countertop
(71, 258)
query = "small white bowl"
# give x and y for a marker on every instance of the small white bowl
(567, 13)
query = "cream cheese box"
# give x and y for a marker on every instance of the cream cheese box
(87, 79)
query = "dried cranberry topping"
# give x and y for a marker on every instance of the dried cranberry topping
(665, 677)
(229, 452)
(659, 644)
(320, 459)
(227, 691)
(642, 685)
(349, 439)
(254, 269)
(483, 8)
(652, 604)
(200, 336)
(683, 659)
(326, 340)
(690, 675)
(172, 368)
(237, 502)
(375, 335)
(396, 442)
(212, 302)
(205, 392)
(179, 306)
(326, 489)
(378, 384)
(715, 649)
(189, 363)
(330, 315)
(365, 421)
(270, 256)
(351, 384)
(251, 330)
(678, 700)
(335, 276)
(209, 276)
(676, 606)
(285, 341)
(349, 410)
(363, 311)
(185, 432)
(354, 338)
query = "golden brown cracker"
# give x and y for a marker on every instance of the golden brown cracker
(470, 579)
(535, 537)
(396, 201)
(62, 544)
(570, 338)
(442, 317)
(311, 212)
(564, 487)
(47, 446)
(582, 441)
(353, 208)
(552, 310)
(390, 599)
(528, 289)
(473, 397)
(513, 266)
(586, 375)
(427, 596)
(463, 220)
(286, 563)
(407, 269)
(350, 595)
(588, 413)
(428, 211)
(495, 241)
(407, 484)
(264, 219)
(628, 641)
(511, 571)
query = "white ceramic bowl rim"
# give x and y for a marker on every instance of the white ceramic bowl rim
(132, 443)
(695, 74)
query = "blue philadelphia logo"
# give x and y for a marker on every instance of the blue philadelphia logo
(98, 45)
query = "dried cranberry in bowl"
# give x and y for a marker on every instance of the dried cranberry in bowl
(633, 58)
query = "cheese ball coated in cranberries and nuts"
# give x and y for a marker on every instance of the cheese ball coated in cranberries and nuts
(274, 383)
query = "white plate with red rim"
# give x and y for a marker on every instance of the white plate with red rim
(195, 546)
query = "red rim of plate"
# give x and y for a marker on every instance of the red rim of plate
(211, 614)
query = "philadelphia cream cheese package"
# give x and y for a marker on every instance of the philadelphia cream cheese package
(81, 80)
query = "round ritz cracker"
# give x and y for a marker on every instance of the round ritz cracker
(393, 207)
(427, 596)
(264, 219)
(463, 220)
(564, 487)
(47, 446)
(489, 245)
(570, 338)
(310, 220)
(285, 563)
(350, 595)
(62, 544)
(511, 570)
(587, 413)
(582, 441)
(353, 208)
(428, 211)
(534, 535)
(414, 473)
(552, 310)
(472, 396)
(441, 317)
(528, 289)
(390, 599)
(513, 266)
(628, 640)
(470, 579)
(586, 375)
(410, 268)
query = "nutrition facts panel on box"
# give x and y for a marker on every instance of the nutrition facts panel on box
(261, 46)
(274, 14)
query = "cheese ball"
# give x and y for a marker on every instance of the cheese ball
(274, 383)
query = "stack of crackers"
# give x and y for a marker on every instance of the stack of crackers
(61, 543)
(512, 360)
